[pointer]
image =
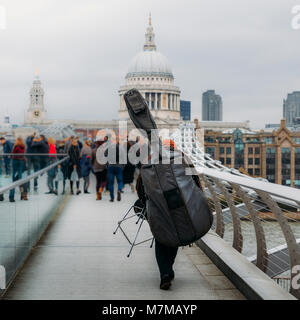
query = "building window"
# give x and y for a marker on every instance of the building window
(228, 150)
(250, 150)
(222, 160)
(286, 166)
(257, 172)
(257, 161)
(222, 150)
(250, 161)
(297, 140)
(271, 150)
(257, 150)
(268, 140)
(250, 171)
(270, 164)
(228, 160)
(210, 151)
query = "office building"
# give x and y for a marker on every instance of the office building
(185, 110)
(212, 106)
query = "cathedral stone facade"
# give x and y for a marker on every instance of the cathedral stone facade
(151, 74)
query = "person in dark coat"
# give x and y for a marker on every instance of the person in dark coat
(100, 171)
(165, 256)
(129, 169)
(39, 146)
(32, 161)
(86, 166)
(74, 166)
(60, 149)
(7, 148)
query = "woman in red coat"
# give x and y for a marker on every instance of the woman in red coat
(52, 172)
(18, 164)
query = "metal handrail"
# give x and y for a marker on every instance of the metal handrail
(32, 176)
(280, 191)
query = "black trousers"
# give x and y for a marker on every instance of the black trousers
(165, 257)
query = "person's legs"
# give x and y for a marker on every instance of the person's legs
(86, 182)
(56, 186)
(77, 186)
(36, 167)
(111, 179)
(51, 185)
(7, 165)
(14, 178)
(97, 175)
(71, 186)
(119, 176)
(17, 171)
(165, 257)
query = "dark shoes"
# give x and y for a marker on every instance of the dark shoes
(78, 192)
(55, 192)
(165, 282)
(11, 200)
(119, 196)
(111, 200)
(1, 197)
(85, 191)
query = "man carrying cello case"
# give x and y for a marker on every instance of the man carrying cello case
(177, 211)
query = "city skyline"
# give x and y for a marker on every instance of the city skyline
(83, 56)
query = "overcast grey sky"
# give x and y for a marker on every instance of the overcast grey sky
(244, 49)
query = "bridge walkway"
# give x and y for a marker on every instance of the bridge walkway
(79, 258)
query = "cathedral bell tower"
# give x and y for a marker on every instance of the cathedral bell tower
(36, 113)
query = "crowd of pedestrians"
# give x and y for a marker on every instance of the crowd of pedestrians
(22, 158)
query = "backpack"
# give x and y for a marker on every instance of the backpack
(177, 210)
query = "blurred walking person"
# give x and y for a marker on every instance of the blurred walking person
(129, 169)
(7, 148)
(39, 146)
(86, 165)
(51, 174)
(74, 174)
(62, 173)
(100, 171)
(115, 155)
(18, 163)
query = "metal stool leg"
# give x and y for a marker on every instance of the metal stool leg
(126, 214)
(133, 243)
(151, 245)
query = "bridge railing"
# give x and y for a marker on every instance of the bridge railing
(22, 221)
(260, 219)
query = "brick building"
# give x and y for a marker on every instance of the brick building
(273, 155)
